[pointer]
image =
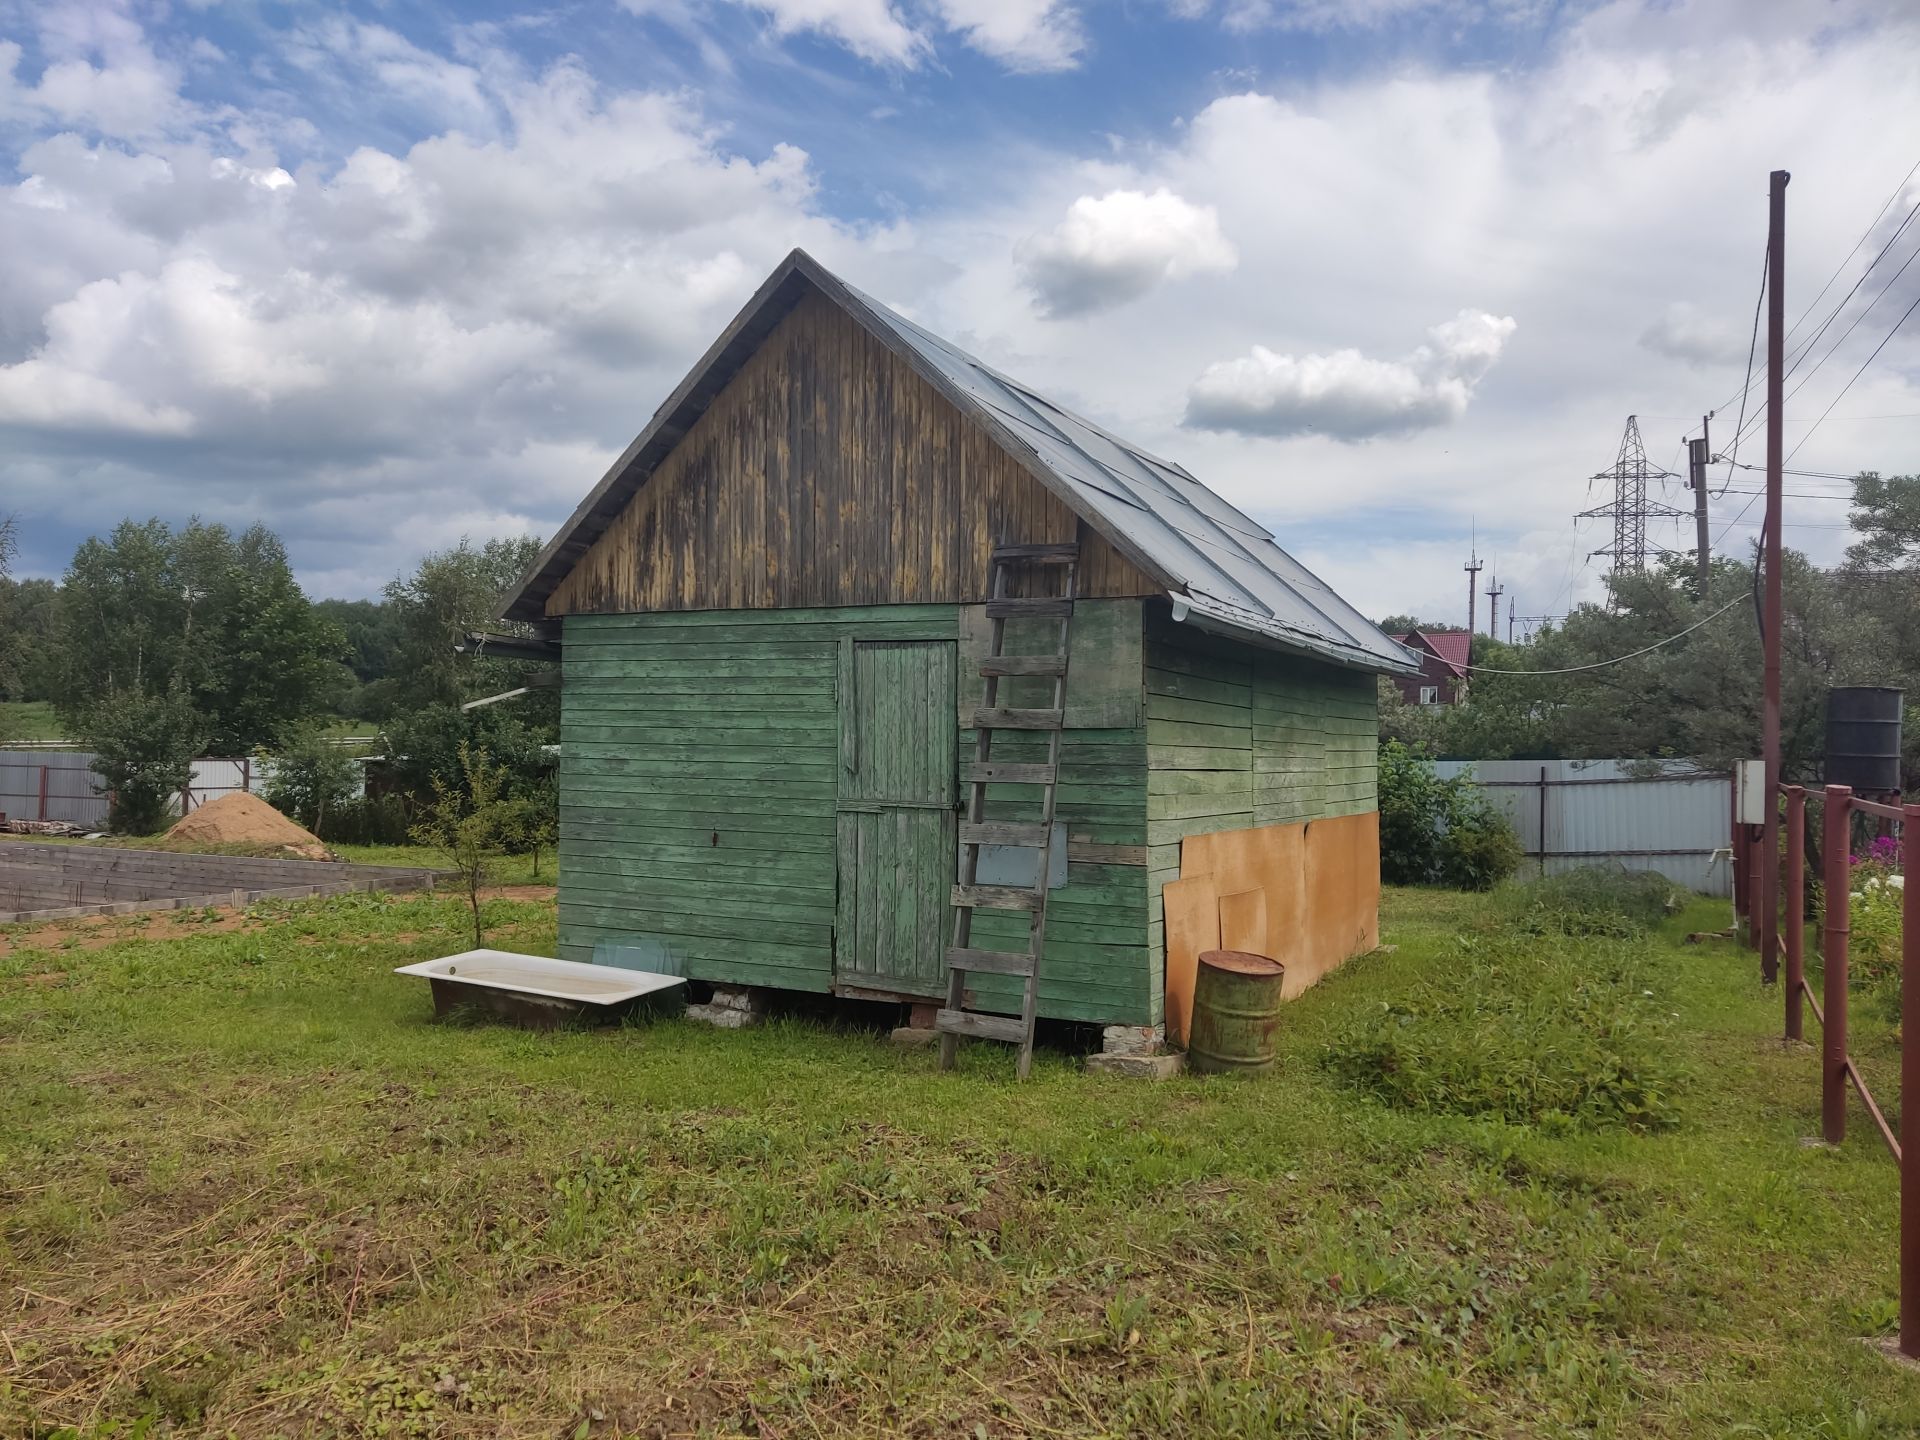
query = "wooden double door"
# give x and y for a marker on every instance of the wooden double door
(896, 815)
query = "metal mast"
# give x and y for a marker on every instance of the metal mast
(1630, 508)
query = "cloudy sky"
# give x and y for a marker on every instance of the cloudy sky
(1384, 272)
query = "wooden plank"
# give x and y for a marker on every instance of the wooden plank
(979, 1027)
(999, 832)
(1045, 554)
(997, 772)
(996, 718)
(995, 897)
(994, 962)
(1097, 854)
(1039, 608)
(1192, 910)
(1022, 665)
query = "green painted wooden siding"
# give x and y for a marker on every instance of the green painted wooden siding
(1238, 737)
(700, 779)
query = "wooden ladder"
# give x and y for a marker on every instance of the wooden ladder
(956, 1019)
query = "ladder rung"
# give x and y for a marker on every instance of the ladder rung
(985, 1027)
(1063, 553)
(993, 717)
(995, 897)
(997, 772)
(1001, 832)
(991, 962)
(1023, 665)
(1042, 608)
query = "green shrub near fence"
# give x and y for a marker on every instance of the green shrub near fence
(369, 820)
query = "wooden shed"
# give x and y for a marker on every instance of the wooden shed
(771, 616)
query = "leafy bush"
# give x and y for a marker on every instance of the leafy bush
(369, 820)
(1593, 900)
(1568, 1035)
(144, 748)
(310, 777)
(472, 824)
(1874, 916)
(1439, 832)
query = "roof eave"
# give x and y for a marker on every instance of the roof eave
(1219, 620)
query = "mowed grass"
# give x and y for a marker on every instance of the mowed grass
(248, 1187)
(29, 720)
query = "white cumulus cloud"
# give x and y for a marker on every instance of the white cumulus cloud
(1347, 395)
(1031, 36)
(1116, 247)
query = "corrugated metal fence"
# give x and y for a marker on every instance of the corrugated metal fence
(57, 785)
(1669, 817)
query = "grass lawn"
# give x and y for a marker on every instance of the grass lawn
(248, 1188)
(28, 720)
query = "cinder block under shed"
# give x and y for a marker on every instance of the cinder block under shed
(65, 882)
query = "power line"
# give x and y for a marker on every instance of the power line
(1857, 374)
(1835, 347)
(1799, 494)
(1814, 304)
(1752, 341)
(1602, 664)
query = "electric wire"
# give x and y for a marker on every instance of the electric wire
(1752, 342)
(1834, 348)
(1865, 235)
(1631, 655)
(1857, 374)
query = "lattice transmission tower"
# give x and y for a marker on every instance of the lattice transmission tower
(1630, 509)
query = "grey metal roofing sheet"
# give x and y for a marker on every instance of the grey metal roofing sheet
(1224, 560)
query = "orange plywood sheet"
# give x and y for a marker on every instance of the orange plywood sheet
(1320, 889)
(1343, 878)
(1192, 909)
(1243, 922)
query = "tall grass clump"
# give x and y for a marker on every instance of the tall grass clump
(1597, 900)
(1561, 1032)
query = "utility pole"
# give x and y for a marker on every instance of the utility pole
(1494, 592)
(1512, 604)
(1699, 454)
(1473, 568)
(1770, 705)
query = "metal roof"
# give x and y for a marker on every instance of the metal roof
(1453, 648)
(1222, 570)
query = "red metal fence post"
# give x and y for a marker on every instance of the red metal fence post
(1756, 891)
(1910, 1084)
(1837, 880)
(1795, 893)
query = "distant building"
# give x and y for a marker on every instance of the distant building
(1443, 666)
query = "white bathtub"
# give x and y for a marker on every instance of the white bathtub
(533, 989)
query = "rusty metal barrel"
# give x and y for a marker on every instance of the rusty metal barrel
(1236, 1008)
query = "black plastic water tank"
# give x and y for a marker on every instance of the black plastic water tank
(1863, 736)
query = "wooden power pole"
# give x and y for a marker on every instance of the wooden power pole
(1770, 704)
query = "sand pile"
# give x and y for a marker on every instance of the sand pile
(243, 819)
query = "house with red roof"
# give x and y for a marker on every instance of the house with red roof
(1444, 657)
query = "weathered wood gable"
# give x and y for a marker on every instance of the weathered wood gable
(826, 473)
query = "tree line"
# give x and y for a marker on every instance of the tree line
(161, 644)
(1697, 698)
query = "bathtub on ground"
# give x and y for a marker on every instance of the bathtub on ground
(535, 991)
